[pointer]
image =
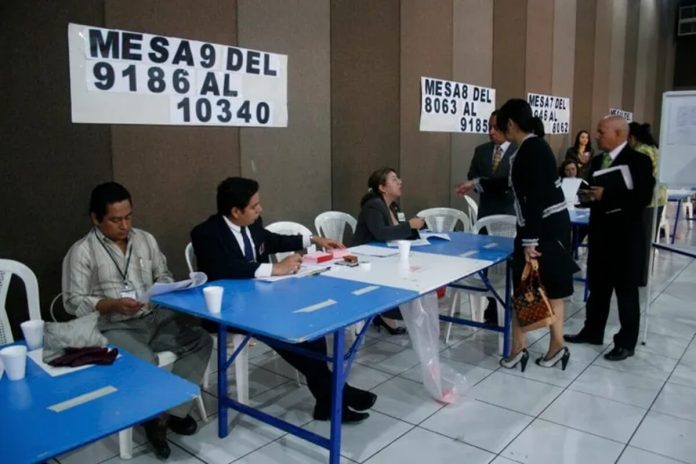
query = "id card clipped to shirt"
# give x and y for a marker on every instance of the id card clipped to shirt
(400, 216)
(127, 291)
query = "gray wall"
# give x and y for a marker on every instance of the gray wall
(353, 97)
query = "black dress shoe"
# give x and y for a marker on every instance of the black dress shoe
(156, 432)
(183, 425)
(618, 354)
(580, 337)
(348, 416)
(360, 400)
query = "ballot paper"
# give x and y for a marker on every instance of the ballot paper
(196, 279)
(570, 186)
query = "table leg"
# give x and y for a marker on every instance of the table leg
(508, 309)
(222, 381)
(337, 382)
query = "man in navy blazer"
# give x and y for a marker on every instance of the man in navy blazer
(485, 164)
(616, 239)
(233, 244)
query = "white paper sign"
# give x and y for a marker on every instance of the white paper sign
(448, 106)
(554, 111)
(627, 115)
(123, 77)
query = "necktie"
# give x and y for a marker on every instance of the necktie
(497, 156)
(606, 161)
(248, 250)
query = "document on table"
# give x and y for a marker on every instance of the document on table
(304, 271)
(375, 251)
(196, 280)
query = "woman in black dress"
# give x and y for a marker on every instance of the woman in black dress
(381, 220)
(543, 225)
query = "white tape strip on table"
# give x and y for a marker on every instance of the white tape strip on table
(315, 307)
(82, 399)
(364, 290)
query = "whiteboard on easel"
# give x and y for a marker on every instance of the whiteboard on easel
(678, 139)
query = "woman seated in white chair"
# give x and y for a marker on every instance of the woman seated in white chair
(381, 220)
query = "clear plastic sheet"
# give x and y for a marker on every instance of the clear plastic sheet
(422, 320)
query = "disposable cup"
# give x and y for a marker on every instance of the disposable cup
(404, 249)
(15, 360)
(213, 298)
(33, 331)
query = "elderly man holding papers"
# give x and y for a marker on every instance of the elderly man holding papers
(616, 237)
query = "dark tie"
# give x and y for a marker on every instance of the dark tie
(248, 250)
(497, 156)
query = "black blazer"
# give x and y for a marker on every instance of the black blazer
(542, 214)
(375, 224)
(218, 254)
(616, 233)
(496, 202)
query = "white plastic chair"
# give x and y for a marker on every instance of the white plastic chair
(190, 256)
(473, 210)
(332, 224)
(688, 212)
(501, 225)
(289, 228)
(445, 219)
(8, 268)
(664, 226)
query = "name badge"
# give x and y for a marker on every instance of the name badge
(401, 216)
(127, 291)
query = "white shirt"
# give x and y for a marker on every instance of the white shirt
(615, 152)
(265, 269)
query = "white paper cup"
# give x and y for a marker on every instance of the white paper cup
(365, 266)
(404, 249)
(15, 360)
(213, 298)
(439, 224)
(33, 331)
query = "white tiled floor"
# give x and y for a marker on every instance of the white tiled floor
(639, 411)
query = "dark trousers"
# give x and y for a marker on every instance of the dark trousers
(598, 310)
(316, 372)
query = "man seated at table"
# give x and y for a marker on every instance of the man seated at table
(105, 271)
(233, 244)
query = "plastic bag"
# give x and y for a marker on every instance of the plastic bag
(421, 317)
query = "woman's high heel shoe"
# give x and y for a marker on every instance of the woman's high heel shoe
(379, 323)
(520, 358)
(562, 355)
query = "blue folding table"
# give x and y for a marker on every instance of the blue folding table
(287, 312)
(42, 416)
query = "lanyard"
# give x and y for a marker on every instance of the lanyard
(124, 274)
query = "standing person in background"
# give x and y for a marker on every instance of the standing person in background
(381, 220)
(642, 141)
(581, 153)
(492, 159)
(616, 241)
(543, 226)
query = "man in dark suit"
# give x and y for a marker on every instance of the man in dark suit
(492, 159)
(616, 239)
(233, 244)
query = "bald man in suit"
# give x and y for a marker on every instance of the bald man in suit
(616, 240)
